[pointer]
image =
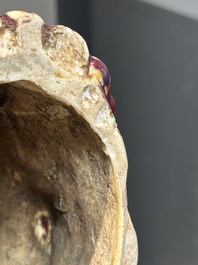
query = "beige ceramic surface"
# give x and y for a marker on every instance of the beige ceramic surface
(63, 163)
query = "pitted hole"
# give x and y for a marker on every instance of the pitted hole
(42, 227)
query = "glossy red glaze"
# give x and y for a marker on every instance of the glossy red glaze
(106, 86)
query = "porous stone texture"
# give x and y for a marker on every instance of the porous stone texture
(63, 163)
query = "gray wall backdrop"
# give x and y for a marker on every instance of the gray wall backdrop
(152, 55)
(153, 58)
(47, 9)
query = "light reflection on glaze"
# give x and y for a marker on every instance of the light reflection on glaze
(106, 86)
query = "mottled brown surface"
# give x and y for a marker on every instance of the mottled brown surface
(55, 176)
(9, 22)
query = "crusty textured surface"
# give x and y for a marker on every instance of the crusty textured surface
(62, 154)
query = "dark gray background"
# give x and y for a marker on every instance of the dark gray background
(152, 55)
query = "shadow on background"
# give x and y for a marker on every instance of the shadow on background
(77, 15)
(152, 55)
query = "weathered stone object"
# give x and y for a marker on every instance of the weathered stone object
(63, 164)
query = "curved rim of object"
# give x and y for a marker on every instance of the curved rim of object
(36, 40)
